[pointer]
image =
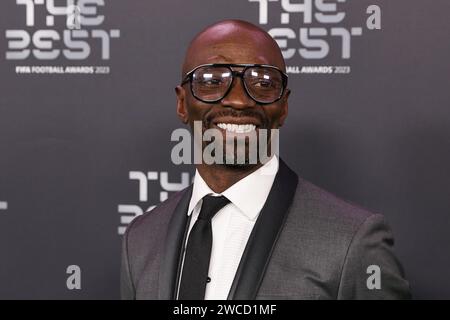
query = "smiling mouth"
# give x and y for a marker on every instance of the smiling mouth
(237, 128)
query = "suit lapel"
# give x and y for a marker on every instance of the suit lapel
(171, 262)
(262, 240)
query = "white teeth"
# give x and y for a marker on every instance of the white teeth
(237, 128)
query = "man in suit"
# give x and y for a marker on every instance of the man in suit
(252, 231)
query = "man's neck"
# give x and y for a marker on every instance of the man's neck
(220, 177)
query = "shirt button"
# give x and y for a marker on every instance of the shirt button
(208, 280)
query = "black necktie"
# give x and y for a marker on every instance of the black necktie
(198, 251)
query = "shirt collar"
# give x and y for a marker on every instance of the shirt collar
(248, 194)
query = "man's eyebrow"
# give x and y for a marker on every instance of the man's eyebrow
(220, 57)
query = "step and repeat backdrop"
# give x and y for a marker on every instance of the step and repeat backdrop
(87, 108)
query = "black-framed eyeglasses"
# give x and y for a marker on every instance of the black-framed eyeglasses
(210, 83)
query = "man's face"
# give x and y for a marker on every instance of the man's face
(236, 107)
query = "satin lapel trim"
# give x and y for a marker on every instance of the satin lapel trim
(264, 235)
(171, 262)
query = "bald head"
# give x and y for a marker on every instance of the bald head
(232, 41)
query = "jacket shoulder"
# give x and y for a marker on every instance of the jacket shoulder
(319, 221)
(323, 205)
(325, 247)
(154, 220)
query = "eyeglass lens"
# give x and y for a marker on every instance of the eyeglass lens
(211, 83)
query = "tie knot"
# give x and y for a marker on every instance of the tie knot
(211, 205)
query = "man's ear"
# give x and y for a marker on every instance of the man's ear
(181, 104)
(284, 107)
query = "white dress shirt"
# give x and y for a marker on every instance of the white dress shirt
(232, 225)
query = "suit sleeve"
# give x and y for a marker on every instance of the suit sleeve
(127, 291)
(371, 270)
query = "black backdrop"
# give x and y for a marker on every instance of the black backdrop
(81, 153)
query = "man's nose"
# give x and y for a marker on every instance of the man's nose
(237, 97)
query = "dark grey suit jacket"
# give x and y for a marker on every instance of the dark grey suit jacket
(306, 244)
